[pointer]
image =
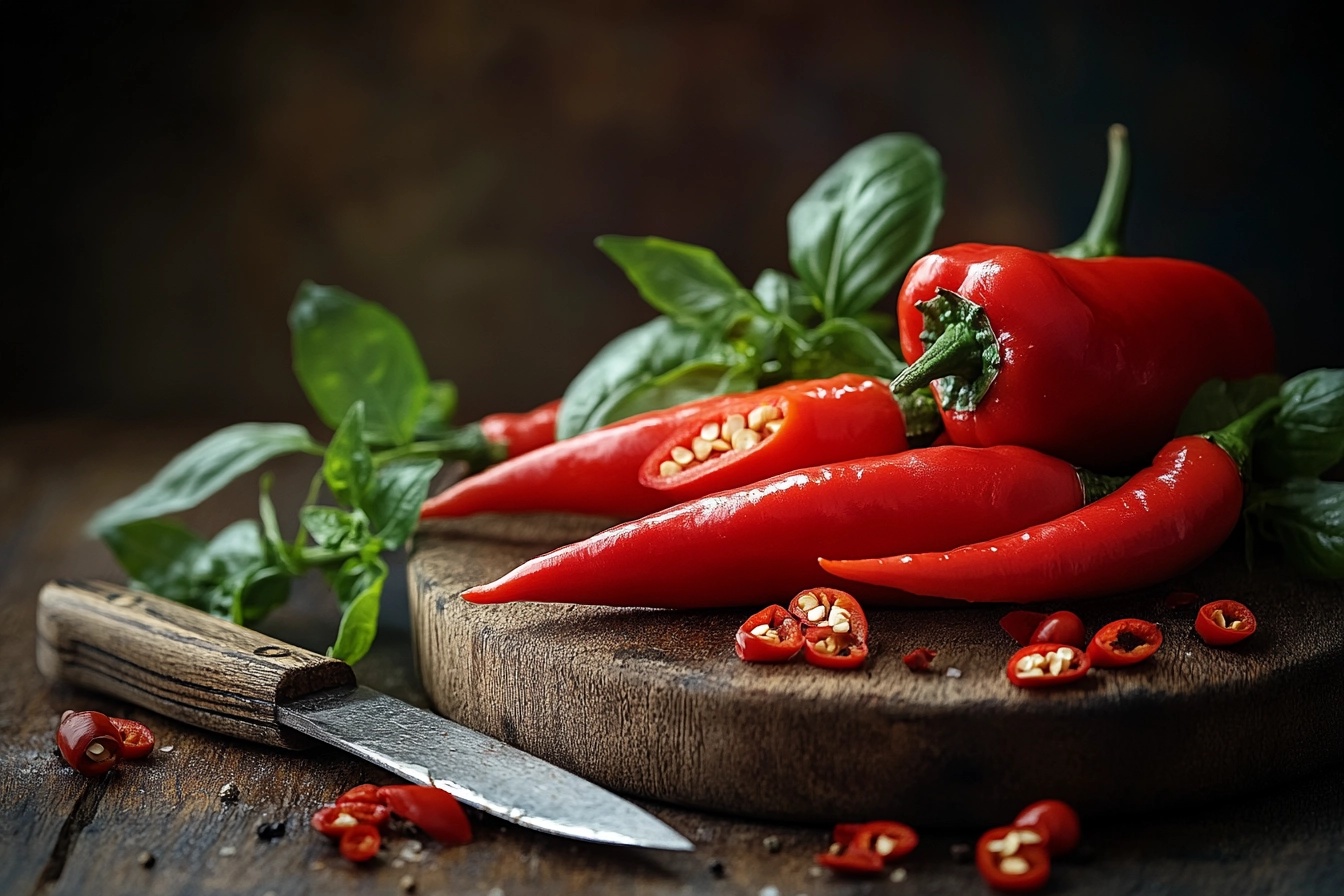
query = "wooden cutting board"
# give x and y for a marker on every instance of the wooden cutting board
(654, 703)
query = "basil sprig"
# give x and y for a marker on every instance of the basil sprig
(852, 237)
(364, 375)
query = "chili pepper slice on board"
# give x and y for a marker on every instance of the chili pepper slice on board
(434, 811)
(1224, 622)
(1091, 359)
(772, 635)
(89, 742)
(828, 607)
(521, 432)
(889, 839)
(827, 648)
(361, 842)
(137, 741)
(1058, 819)
(336, 819)
(851, 860)
(764, 538)
(1013, 859)
(1164, 520)
(1048, 665)
(1124, 642)
(919, 659)
(360, 793)
(1060, 627)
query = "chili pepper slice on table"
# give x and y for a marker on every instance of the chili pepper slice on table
(137, 741)
(1223, 622)
(434, 811)
(335, 820)
(89, 742)
(1057, 819)
(1048, 665)
(828, 648)
(360, 793)
(1124, 642)
(1013, 859)
(867, 847)
(744, 546)
(1091, 359)
(1164, 520)
(772, 635)
(361, 842)
(521, 432)
(599, 472)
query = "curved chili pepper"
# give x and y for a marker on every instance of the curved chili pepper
(746, 546)
(1124, 642)
(598, 472)
(137, 741)
(1224, 622)
(771, 636)
(89, 742)
(1164, 520)
(522, 432)
(1013, 859)
(1047, 665)
(1059, 822)
(1090, 359)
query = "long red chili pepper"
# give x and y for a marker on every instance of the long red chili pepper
(750, 545)
(524, 431)
(1164, 520)
(598, 472)
(1091, 359)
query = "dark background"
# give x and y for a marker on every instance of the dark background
(172, 172)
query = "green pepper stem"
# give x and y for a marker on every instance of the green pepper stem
(1237, 437)
(466, 443)
(1097, 485)
(921, 414)
(960, 351)
(1104, 234)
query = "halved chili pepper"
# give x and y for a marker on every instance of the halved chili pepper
(1013, 859)
(1047, 665)
(524, 431)
(361, 842)
(1091, 359)
(1164, 520)
(763, 540)
(434, 811)
(919, 659)
(1124, 642)
(771, 636)
(761, 435)
(137, 741)
(89, 742)
(1059, 821)
(1224, 622)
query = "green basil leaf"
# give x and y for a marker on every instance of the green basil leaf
(1305, 517)
(436, 417)
(1307, 437)
(349, 350)
(335, 529)
(238, 547)
(359, 587)
(399, 489)
(159, 556)
(622, 366)
(258, 593)
(1219, 402)
(784, 296)
(204, 469)
(347, 465)
(687, 283)
(857, 230)
(843, 345)
(691, 381)
(278, 550)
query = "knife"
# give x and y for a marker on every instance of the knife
(208, 672)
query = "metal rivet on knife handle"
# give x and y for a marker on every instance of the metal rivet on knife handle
(176, 660)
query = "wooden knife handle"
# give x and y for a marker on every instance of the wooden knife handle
(177, 660)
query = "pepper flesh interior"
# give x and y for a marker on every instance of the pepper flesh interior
(736, 432)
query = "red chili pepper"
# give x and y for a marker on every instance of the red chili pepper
(1124, 642)
(1091, 359)
(89, 742)
(1224, 622)
(598, 472)
(137, 741)
(1059, 821)
(522, 432)
(850, 860)
(745, 546)
(335, 820)
(784, 429)
(841, 641)
(889, 839)
(434, 811)
(771, 636)
(1028, 627)
(919, 659)
(824, 607)
(1021, 624)
(1013, 859)
(1047, 665)
(360, 793)
(361, 842)
(1164, 520)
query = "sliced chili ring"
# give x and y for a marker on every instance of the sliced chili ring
(830, 608)
(1124, 642)
(1224, 622)
(1059, 821)
(771, 636)
(1013, 859)
(846, 857)
(889, 839)
(361, 842)
(830, 649)
(137, 741)
(1047, 665)
(336, 820)
(89, 742)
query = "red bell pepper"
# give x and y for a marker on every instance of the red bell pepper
(749, 545)
(522, 432)
(771, 636)
(598, 472)
(1090, 359)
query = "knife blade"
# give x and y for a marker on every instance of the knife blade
(208, 672)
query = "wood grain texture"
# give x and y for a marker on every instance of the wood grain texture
(654, 703)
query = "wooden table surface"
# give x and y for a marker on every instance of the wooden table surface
(64, 834)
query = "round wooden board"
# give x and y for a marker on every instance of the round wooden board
(654, 703)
